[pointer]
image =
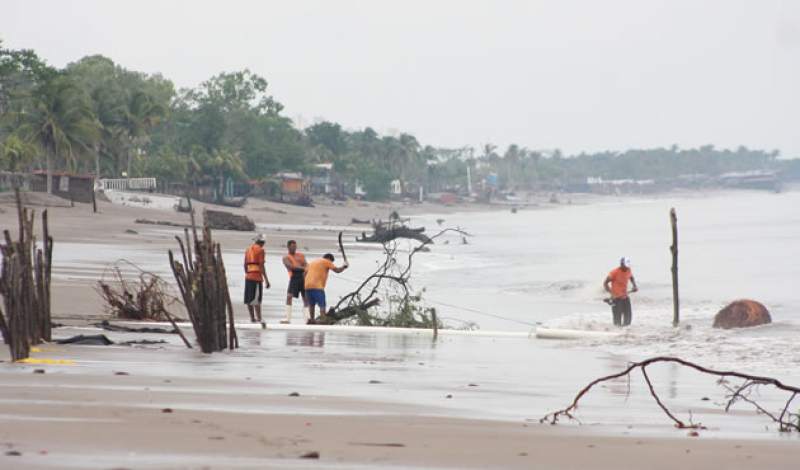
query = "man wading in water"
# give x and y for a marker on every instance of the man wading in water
(316, 278)
(254, 275)
(616, 284)
(296, 264)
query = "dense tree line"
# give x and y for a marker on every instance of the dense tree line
(96, 116)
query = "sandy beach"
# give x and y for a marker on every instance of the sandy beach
(362, 400)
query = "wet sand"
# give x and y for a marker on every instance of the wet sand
(234, 410)
(117, 415)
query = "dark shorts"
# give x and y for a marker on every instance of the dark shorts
(297, 285)
(253, 291)
(316, 297)
(621, 310)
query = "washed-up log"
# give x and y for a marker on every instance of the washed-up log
(126, 329)
(25, 285)
(160, 222)
(384, 234)
(203, 284)
(335, 316)
(219, 220)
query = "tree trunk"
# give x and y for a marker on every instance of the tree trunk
(97, 163)
(49, 159)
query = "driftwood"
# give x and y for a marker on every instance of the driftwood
(25, 285)
(786, 420)
(160, 222)
(203, 285)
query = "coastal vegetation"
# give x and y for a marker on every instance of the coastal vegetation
(96, 116)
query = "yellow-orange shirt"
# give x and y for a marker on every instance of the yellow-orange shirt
(254, 257)
(619, 282)
(317, 273)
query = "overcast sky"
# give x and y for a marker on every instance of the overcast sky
(578, 75)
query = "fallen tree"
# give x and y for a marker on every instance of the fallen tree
(787, 421)
(388, 285)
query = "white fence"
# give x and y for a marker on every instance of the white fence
(125, 184)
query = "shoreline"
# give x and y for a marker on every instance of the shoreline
(141, 417)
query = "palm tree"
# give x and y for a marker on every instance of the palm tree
(61, 123)
(143, 114)
(15, 153)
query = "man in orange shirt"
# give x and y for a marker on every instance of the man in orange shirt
(316, 278)
(616, 284)
(295, 263)
(254, 275)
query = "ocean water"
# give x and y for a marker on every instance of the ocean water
(545, 266)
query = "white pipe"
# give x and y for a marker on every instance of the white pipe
(343, 329)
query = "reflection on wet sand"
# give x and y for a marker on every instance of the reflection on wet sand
(314, 339)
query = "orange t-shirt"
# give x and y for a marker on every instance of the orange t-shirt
(317, 273)
(619, 282)
(254, 257)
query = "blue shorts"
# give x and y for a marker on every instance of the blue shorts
(316, 297)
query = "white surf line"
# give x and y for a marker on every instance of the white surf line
(563, 333)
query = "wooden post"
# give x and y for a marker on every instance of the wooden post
(94, 202)
(674, 249)
(25, 285)
(203, 285)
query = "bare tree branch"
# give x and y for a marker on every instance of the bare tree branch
(787, 421)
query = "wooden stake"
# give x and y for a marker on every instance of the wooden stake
(674, 249)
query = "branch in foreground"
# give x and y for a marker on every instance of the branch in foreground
(786, 420)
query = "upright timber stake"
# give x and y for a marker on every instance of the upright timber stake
(25, 284)
(674, 249)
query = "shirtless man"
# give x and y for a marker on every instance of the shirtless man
(295, 263)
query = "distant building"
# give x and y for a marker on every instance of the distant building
(74, 187)
(293, 183)
(324, 180)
